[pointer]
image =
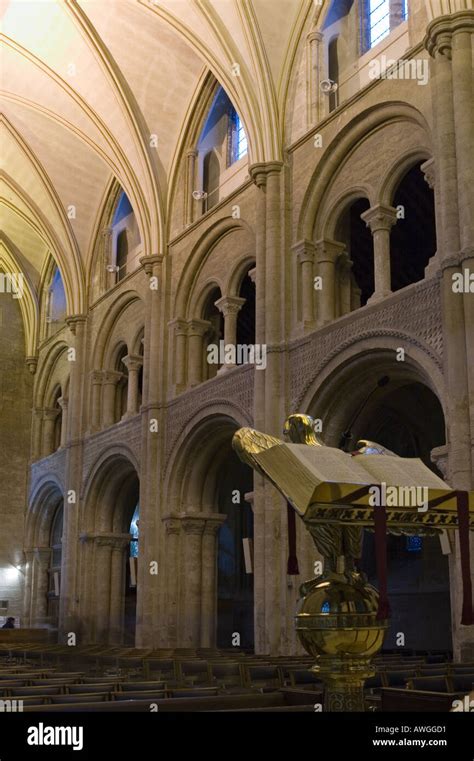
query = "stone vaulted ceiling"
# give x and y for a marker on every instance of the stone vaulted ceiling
(85, 83)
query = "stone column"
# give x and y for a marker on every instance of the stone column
(190, 619)
(449, 42)
(272, 614)
(327, 254)
(119, 544)
(133, 364)
(150, 587)
(37, 433)
(180, 328)
(63, 403)
(173, 529)
(50, 416)
(230, 307)
(103, 581)
(209, 580)
(314, 76)
(69, 620)
(96, 389)
(345, 284)
(191, 156)
(197, 329)
(305, 251)
(41, 560)
(380, 220)
(109, 383)
(28, 587)
(463, 100)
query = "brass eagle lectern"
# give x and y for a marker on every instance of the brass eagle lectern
(341, 620)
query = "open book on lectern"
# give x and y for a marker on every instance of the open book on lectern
(305, 475)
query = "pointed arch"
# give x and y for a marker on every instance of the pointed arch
(28, 302)
(66, 253)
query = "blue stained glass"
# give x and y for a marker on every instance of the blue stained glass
(325, 608)
(414, 543)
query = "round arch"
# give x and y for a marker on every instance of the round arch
(348, 138)
(216, 232)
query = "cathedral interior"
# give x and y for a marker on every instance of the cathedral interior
(214, 216)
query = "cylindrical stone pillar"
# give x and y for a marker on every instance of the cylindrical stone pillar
(380, 220)
(109, 384)
(209, 580)
(230, 307)
(193, 528)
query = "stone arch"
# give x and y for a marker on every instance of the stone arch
(40, 512)
(111, 469)
(342, 203)
(46, 498)
(238, 273)
(117, 308)
(365, 393)
(200, 499)
(348, 139)
(195, 262)
(28, 302)
(395, 174)
(424, 362)
(111, 496)
(46, 374)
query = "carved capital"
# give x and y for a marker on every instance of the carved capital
(429, 171)
(152, 264)
(179, 326)
(229, 304)
(75, 321)
(111, 377)
(380, 218)
(193, 524)
(261, 171)
(32, 364)
(133, 362)
(304, 251)
(172, 523)
(96, 377)
(315, 36)
(329, 250)
(198, 327)
(438, 40)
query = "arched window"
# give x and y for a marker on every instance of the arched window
(54, 572)
(55, 304)
(221, 144)
(122, 254)
(379, 18)
(333, 72)
(122, 385)
(210, 181)
(125, 239)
